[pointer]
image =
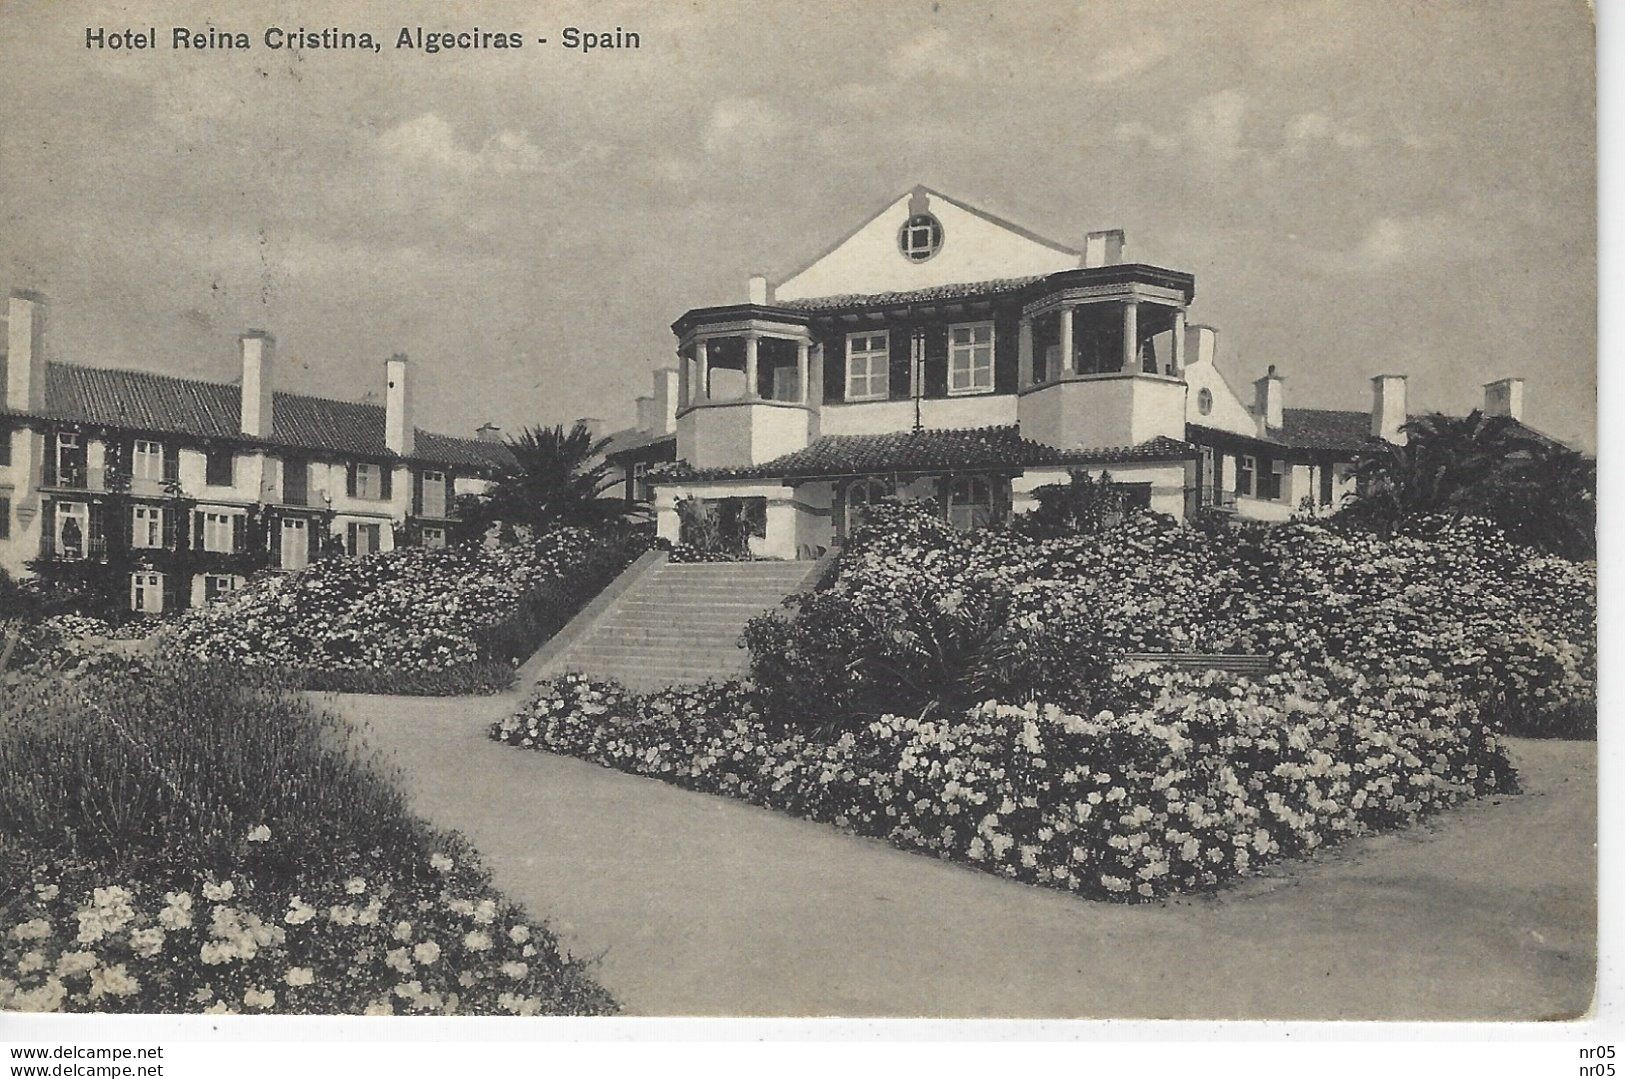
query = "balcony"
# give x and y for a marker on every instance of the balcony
(83, 478)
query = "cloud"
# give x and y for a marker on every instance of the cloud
(1121, 61)
(1213, 129)
(1308, 130)
(932, 52)
(1391, 243)
(431, 140)
(741, 123)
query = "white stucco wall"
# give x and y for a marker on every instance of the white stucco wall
(973, 249)
(738, 433)
(879, 417)
(1104, 410)
(1230, 411)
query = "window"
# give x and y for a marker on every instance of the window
(1204, 401)
(146, 527)
(970, 503)
(295, 543)
(219, 467)
(868, 361)
(72, 526)
(1273, 480)
(363, 539)
(147, 460)
(432, 537)
(1246, 469)
(920, 237)
(1326, 484)
(368, 481)
(5, 443)
(216, 530)
(970, 358)
(217, 585)
(70, 459)
(434, 494)
(147, 592)
(641, 490)
(860, 495)
(5, 518)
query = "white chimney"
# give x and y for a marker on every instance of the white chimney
(1201, 345)
(1504, 397)
(664, 410)
(759, 291)
(646, 416)
(593, 424)
(489, 432)
(1269, 400)
(400, 436)
(25, 351)
(258, 350)
(1103, 248)
(1388, 413)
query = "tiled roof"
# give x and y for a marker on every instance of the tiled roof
(164, 404)
(989, 448)
(936, 294)
(1324, 429)
(630, 438)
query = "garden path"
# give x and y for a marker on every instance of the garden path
(699, 905)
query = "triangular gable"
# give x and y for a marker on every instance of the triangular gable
(976, 246)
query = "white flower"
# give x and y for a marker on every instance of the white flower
(297, 976)
(70, 963)
(219, 893)
(34, 929)
(112, 981)
(519, 934)
(515, 970)
(259, 834)
(426, 952)
(299, 912)
(440, 863)
(403, 931)
(259, 998)
(477, 941)
(147, 942)
(355, 886)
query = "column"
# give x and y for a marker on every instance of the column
(803, 348)
(702, 367)
(1068, 355)
(1024, 376)
(751, 341)
(1179, 342)
(682, 380)
(1131, 337)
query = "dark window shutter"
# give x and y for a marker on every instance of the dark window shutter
(171, 520)
(315, 532)
(97, 542)
(197, 530)
(936, 361)
(451, 495)
(172, 461)
(5, 434)
(48, 529)
(386, 481)
(1006, 356)
(350, 537)
(239, 537)
(349, 479)
(835, 369)
(901, 342)
(171, 588)
(417, 492)
(48, 467)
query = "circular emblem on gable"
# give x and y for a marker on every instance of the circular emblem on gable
(920, 237)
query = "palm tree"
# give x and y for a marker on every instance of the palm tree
(557, 478)
(1537, 491)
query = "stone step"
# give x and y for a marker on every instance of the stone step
(612, 635)
(706, 656)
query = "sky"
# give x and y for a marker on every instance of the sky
(1359, 188)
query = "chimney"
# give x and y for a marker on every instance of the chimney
(1504, 397)
(1201, 345)
(1269, 400)
(664, 411)
(399, 434)
(25, 351)
(646, 417)
(1388, 414)
(489, 432)
(258, 350)
(1103, 248)
(759, 291)
(593, 424)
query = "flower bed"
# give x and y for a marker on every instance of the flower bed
(1191, 781)
(188, 839)
(412, 620)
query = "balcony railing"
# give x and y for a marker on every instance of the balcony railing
(84, 478)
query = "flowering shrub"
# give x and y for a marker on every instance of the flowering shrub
(427, 937)
(1512, 628)
(192, 840)
(408, 610)
(1191, 780)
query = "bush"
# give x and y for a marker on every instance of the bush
(1192, 780)
(465, 680)
(423, 618)
(182, 840)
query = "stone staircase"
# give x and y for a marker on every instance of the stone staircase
(673, 623)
